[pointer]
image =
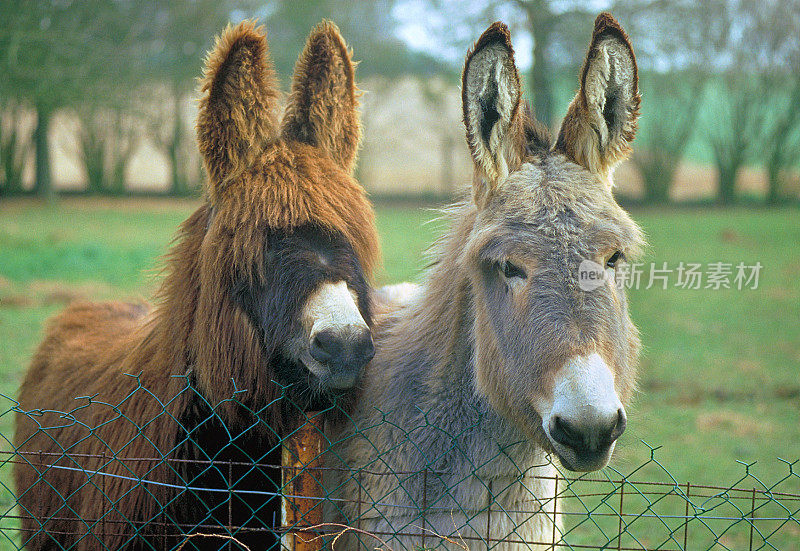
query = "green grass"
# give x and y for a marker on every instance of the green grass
(725, 350)
(719, 376)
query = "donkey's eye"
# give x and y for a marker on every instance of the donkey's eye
(614, 258)
(511, 270)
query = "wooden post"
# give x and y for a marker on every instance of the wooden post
(301, 504)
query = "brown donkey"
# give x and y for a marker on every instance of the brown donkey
(264, 311)
(500, 360)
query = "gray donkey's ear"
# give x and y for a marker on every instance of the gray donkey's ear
(490, 95)
(601, 121)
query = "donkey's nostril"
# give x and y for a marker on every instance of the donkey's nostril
(619, 426)
(343, 351)
(562, 432)
(326, 345)
(588, 434)
(364, 348)
(347, 347)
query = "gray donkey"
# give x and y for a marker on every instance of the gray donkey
(502, 359)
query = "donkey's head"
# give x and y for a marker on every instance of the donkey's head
(556, 357)
(290, 240)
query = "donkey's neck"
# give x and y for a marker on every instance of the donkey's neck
(441, 319)
(177, 298)
(426, 350)
(437, 328)
(420, 412)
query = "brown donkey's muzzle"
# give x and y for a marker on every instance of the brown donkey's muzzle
(345, 351)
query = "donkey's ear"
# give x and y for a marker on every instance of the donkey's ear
(323, 108)
(238, 104)
(601, 121)
(490, 96)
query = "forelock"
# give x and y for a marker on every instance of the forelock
(560, 200)
(291, 187)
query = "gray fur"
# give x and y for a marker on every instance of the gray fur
(464, 363)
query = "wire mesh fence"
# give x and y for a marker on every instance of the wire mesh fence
(226, 483)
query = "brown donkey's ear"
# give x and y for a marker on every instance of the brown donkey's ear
(239, 96)
(601, 121)
(490, 100)
(323, 109)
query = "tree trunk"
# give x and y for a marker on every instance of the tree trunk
(447, 179)
(657, 175)
(13, 153)
(540, 22)
(93, 154)
(13, 162)
(727, 184)
(95, 176)
(773, 183)
(541, 78)
(119, 153)
(117, 178)
(177, 185)
(43, 185)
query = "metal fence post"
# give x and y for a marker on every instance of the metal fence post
(686, 520)
(752, 516)
(301, 504)
(555, 512)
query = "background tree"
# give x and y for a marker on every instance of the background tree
(56, 53)
(553, 31)
(738, 119)
(558, 31)
(78, 54)
(368, 27)
(370, 30)
(774, 44)
(720, 77)
(15, 146)
(177, 36)
(673, 71)
(103, 144)
(670, 119)
(745, 119)
(782, 141)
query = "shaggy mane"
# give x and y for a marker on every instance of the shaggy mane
(156, 375)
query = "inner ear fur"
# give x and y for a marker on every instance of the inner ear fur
(323, 107)
(490, 97)
(601, 120)
(237, 114)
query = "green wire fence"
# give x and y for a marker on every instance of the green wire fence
(210, 490)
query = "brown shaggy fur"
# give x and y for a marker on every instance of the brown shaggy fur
(131, 363)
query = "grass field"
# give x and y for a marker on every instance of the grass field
(719, 377)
